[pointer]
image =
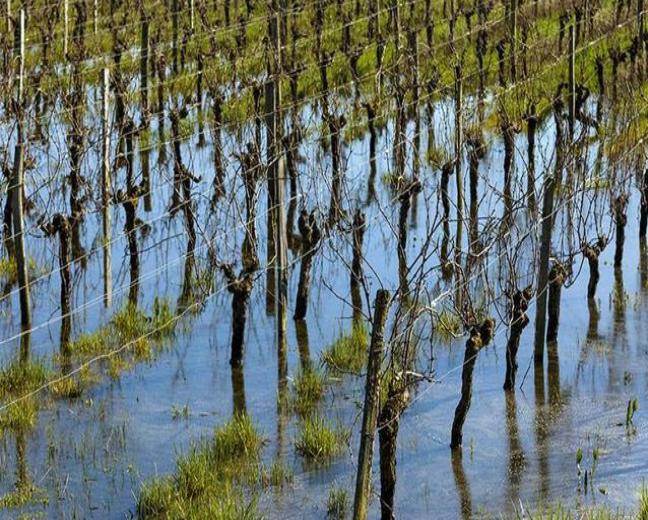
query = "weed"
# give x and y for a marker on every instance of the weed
(337, 504)
(308, 390)
(317, 441)
(348, 353)
(278, 475)
(207, 482)
(179, 413)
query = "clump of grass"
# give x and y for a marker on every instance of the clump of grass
(163, 319)
(131, 327)
(308, 390)
(67, 388)
(20, 416)
(8, 271)
(348, 353)
(23, 494)
(20, 376)
(180, 413)
(277, 476)
(560, 512)
(207, 482)
(642, 514)
(337, 504)
(318, 441)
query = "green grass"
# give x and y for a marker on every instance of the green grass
(277, 476)
(130, 326)
(19, 417)
(208, 482)
(561, 512)
(308, 391)
(19, 377)
(348, 353)
(337, 504)
(23, 495)
(318, 441)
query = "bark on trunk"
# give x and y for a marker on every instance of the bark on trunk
(519, 320)
(479, 338)
(310, 237)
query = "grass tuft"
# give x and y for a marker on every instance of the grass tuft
(208, 480)
(318, 441)
(308, 390)
(337, 504)
(348, 353)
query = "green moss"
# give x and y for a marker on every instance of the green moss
(348, 353)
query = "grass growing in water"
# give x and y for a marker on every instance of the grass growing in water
(131, 327)
(318, 441)
(308, 390)
(560, 512)
(208, 480)
(348, 353)
(337, 504)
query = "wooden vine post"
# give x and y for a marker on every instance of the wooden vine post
(16, 189)
(370, 409)
(106, 188)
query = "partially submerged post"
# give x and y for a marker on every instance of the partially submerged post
(240, 287)
(480, 336)
(105, 190)
(592, 252)
(557, 278)
(620, 208)
(16, 189)
(370, 409)
(358, 232)
(60, 225)
(519, 320)
(310, 238)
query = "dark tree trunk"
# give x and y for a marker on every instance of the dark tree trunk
(557, 278)
(479, 337)
(240, 288)
(592, 253)
(310, 237)
(519, 320)
(621, 219)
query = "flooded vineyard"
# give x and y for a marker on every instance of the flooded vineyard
(323, 259)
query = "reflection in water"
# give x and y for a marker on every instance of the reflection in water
(553, 374)
(517, 461)
(541, 431)
(619, 303)
(282, 392)
(185, 297)
(23, 481)
(462, 484)
(643, 264)
(238, 390)
(594, 316)
(301, 329)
